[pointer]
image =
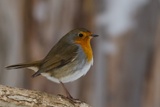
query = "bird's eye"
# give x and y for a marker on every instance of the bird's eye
(80, 35)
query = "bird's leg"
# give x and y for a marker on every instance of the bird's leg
(66, 91)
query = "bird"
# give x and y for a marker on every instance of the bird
(68, 60)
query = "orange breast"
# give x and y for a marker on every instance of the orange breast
(85, 44)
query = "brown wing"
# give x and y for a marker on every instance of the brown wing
(58, 57)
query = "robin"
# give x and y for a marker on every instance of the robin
(68, 60)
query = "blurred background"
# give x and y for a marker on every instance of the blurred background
(126, 70)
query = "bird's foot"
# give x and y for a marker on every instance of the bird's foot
(70, 98)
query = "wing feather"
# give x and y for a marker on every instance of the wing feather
(58, 57)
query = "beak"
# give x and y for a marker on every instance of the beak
(94, 35)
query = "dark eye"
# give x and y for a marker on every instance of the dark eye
(80, 35)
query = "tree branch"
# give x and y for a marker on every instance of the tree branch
(16, 97)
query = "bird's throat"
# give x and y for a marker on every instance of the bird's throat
(86, 46)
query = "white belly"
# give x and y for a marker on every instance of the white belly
(76, 75)
(71, 77)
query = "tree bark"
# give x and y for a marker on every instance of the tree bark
(16, 97)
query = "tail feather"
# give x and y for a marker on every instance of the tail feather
(23, 65)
